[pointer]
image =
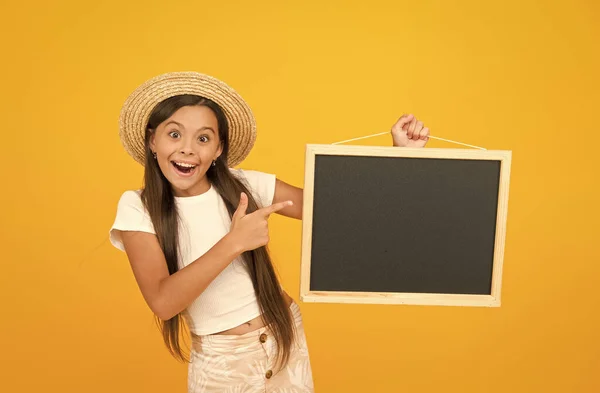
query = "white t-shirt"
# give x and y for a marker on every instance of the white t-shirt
(229, 300)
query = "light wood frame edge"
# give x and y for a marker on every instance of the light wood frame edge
(492, 300)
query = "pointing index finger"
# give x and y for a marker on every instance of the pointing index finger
(267, 211)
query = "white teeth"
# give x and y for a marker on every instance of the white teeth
(183, 164)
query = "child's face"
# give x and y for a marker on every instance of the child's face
(186, 145)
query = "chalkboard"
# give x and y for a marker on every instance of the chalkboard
(404, 226)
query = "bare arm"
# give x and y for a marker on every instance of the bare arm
(168, 295)
(287, 192)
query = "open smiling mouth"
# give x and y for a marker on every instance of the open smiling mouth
(183, 168)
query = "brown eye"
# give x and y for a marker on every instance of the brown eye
(174, 134)
(203, 139)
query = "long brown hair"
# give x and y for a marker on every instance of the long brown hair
(159, 200)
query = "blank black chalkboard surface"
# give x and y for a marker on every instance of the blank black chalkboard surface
(395, 225)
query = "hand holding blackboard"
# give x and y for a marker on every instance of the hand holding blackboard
(409, 132)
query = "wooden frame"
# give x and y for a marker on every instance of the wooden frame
(492, 300)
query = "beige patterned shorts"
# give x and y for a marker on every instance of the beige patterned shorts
(244, 363)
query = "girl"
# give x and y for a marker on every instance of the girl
(196, 235)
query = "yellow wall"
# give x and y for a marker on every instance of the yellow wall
(503, 75)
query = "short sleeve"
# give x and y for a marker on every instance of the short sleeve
(262, 185)
(131, 216)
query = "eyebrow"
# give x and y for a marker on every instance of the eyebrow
(200, 129)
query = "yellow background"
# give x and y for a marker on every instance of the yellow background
(520, 76)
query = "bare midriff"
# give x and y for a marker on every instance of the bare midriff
(252, 324)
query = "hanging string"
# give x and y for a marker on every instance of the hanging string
(432, 137)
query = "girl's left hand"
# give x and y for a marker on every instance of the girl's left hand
(409, 132)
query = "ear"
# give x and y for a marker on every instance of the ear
(219, 151)
(152, 143)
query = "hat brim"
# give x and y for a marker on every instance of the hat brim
(136, 111)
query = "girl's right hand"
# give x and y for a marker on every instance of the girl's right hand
(251, 231)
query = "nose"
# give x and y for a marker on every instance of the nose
(186, 146)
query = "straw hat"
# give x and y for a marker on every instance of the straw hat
(136, 111)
